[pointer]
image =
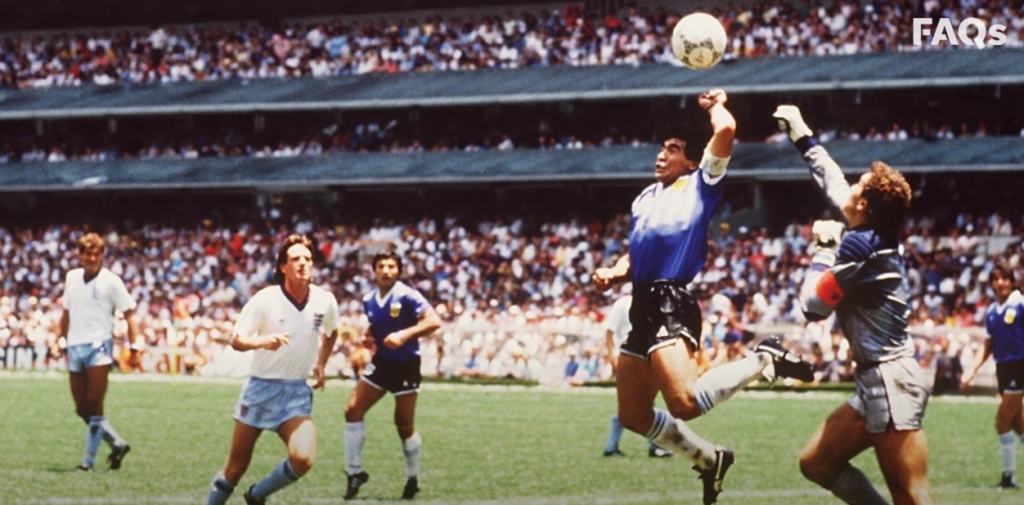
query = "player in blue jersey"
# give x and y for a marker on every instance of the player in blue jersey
(1004, 321)
(668, 245)
(862, 277)
(398, 315)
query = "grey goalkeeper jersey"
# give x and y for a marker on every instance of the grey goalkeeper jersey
(867, 286)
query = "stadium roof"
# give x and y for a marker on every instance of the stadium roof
(377, 91)
(525, 166)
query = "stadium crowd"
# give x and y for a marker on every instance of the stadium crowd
(389, 138)
(563, 37)
(513, 290)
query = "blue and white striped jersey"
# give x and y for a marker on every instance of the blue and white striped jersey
(1005, 326)
(668, 235)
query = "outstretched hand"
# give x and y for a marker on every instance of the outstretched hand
(791, 122)
(711, 98)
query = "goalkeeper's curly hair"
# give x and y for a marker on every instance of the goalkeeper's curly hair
(888, 196)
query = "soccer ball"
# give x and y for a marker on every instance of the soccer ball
(698, 40)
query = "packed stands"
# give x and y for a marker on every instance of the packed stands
(436, 43)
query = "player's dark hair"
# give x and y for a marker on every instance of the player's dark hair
(388, 255)
(1003, 273)
(282, 254)
(695, 135)
(888, 195)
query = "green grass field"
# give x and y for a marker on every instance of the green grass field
(482, 445)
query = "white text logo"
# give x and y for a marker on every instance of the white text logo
(944, 31)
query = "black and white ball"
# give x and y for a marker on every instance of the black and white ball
(698, 40)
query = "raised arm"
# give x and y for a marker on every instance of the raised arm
(723, 125)
(824, 170)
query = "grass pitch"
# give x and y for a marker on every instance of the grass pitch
(482, 445)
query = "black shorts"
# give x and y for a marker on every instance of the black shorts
(1010, 376)
(661, 312)
(398, 377)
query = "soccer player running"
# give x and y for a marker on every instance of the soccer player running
(92, 294)
(1004, 322)
(292, 329)
(668, 245)
(862, 277)
(399, 315)
(618, 329)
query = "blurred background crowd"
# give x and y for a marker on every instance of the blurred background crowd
(514, 290)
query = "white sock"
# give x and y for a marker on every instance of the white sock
(411, 447)
(1008, 450)
(355, 435)
(674, 435)
(720, 383)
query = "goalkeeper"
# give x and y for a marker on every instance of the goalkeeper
(863, 278)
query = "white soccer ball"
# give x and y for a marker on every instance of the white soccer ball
(698, 40)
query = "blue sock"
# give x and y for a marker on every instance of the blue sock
(614, 435)
(110, 435)
(93, 437)
(220, 490)
(280, 478)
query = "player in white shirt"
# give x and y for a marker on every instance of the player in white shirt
(92, 294)
(618, 329)
(291, 326)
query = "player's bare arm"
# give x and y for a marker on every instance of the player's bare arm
(429, 323)
(134, 336)
(723, 124)
(64, 322)
(268, 342)
(610, 349)
(605, 278)
(982, 357)
(326, 348)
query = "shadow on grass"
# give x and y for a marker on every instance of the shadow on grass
(62, 469)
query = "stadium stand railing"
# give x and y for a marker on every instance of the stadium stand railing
(749, 161)
(382, 91)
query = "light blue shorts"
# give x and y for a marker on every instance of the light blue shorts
(85, 356)
(268, 403)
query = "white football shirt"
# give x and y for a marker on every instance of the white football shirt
(618, 320)
(91, 305)
(271, 312)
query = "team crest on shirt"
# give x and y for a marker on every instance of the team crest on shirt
(680, 184)
(1011, 314)
(396, 308)
(318, 321)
